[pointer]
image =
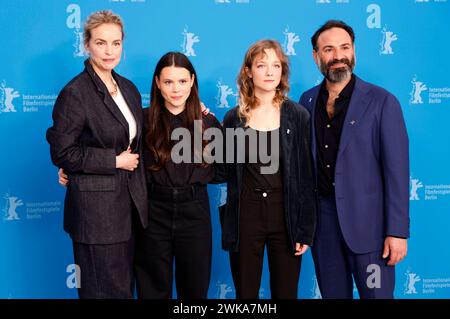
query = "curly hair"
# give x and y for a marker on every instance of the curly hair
(247, 98)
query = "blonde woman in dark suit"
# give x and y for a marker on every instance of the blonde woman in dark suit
(96, 139)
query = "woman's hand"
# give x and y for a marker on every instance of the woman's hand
(127, 160)
(63, 179)
(205, 110)
(300, 249)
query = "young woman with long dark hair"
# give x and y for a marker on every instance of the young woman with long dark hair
(179, 230)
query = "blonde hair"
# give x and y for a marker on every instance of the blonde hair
(247, 98)
(98, 18)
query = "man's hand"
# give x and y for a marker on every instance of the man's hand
(395, 248)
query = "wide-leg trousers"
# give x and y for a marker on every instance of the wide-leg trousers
(179, 233)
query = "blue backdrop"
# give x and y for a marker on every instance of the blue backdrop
(401, 45)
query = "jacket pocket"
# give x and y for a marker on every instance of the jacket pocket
(95, 183)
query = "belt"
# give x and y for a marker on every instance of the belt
(267, 190)
(177, 194)
(256, 193)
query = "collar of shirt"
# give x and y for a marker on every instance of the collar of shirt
(344, 95)
(175, 119)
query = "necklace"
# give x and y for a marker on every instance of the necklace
(116, 89)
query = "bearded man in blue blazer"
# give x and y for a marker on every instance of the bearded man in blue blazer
(360, 148)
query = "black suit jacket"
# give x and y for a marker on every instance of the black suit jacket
(88, 132)
(299, 193)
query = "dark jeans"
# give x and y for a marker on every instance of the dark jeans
(179, 228)
(262, 224)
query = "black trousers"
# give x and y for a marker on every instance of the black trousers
(262, 224)
(179, 229)
(106, 271)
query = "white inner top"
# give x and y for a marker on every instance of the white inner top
(125, 109)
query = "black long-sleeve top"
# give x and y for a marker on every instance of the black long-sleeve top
(182, 174)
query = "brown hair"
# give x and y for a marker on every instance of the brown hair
(247, 98)
(98, 18)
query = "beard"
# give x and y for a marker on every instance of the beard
(338, 74)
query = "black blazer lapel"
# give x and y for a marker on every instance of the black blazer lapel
(286, 136)
(239, 123)
(107, 99)
(135, 106)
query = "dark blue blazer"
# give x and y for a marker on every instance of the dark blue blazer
(372, 167)
(88, 132)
